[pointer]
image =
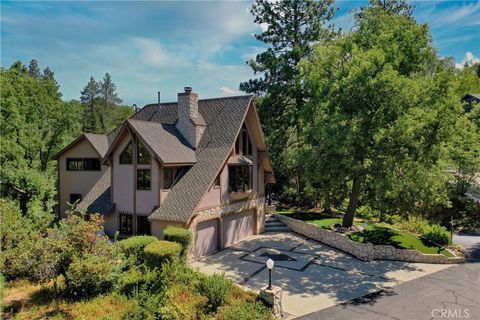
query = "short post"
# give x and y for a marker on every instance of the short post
(451, 229)
(271, 295)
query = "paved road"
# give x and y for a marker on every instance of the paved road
(453, 293)
(471, 243)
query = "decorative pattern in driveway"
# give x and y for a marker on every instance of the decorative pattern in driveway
(311, 275)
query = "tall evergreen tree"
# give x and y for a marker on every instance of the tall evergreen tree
(89, 97)
(291, 30)
(109, 98)
(33, 69)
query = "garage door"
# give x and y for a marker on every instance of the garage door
(237, 227)
(206, 237)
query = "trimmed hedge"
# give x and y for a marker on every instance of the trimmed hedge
(133, 247)
(436, 234)
(161, 251)
(179, 235)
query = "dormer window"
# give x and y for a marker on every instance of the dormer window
(126, 157)
(143, 157)
(243, 144)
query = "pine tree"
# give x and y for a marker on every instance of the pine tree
(292, 28)
(89, 97)
(109, 98)
(33, 69)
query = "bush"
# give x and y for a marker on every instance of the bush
(246, 311)
(216, 288)
(129, 282)
(90, 275)
(133, 247)
(391, 219)
(436, 234)
(161, 251)
(367, 213)
(179, 235)
(414, 224)
(182, 303)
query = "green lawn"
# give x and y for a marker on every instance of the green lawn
(376, 234)
(321, 220)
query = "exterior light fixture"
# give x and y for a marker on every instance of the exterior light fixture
(270, 265)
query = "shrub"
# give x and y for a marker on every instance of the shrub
(90, 275)
(246, 311)
(436, 234)
(182, 303)
(216, 288)
(161, 251)
(179, 235)
(391, 219)
(367, 213)
(129, 282)
(414, 224)
(133, 247)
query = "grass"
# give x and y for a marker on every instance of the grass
(383, 234)
(23, 300)
(318, 219)
(375, 233)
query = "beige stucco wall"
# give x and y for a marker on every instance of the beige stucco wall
(211, 198)
(123, 182)
(76, 181)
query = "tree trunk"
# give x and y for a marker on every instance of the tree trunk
(352, 204)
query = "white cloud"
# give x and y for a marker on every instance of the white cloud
(469, 59)
(228, 90)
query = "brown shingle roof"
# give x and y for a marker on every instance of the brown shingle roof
(224, 118)
(99, 142)
(97, 200)
(165, 141)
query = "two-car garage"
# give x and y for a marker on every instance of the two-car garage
(233, 228)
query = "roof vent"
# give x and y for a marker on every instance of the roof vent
(187, 89)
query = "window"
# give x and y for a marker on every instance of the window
(143, 157)
(74, 197)
(169, 175)
(83, 164)
(243, 144)
(239, 178)
(126, 224)
(216, 183)
(143, 179)
(143, 226)
(126, 155)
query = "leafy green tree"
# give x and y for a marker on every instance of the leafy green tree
(382, 115)
(109, 98)
(35, 125)
(89, 97)
(290, 30)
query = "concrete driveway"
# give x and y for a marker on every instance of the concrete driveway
(312, 276)
(471, 243)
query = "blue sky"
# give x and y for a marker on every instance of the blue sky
(164, 46)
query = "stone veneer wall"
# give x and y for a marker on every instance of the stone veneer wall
(257, 204)
(363, 251)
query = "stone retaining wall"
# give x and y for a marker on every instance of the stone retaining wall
(363, 251)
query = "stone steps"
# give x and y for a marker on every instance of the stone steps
(272, 224)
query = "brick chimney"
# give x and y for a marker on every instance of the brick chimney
(190, 122)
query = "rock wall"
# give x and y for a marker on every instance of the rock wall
(363, 251)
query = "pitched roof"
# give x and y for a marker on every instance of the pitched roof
(98, 141)
(224, 118)
(165, 141)
(97, 200)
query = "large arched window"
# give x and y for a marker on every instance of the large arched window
(143, 157)
(243, 144)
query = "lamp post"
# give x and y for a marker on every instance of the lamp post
(270, 265)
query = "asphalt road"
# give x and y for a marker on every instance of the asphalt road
(453, 293)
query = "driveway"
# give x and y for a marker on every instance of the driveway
(312, 276)
(471, 243)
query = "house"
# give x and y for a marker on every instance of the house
(469, 100)
(199, 164)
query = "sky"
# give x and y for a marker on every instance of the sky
(165, 45)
